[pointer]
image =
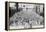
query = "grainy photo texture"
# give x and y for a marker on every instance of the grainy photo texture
(25, 15)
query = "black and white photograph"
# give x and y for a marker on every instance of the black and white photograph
(25, 15)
